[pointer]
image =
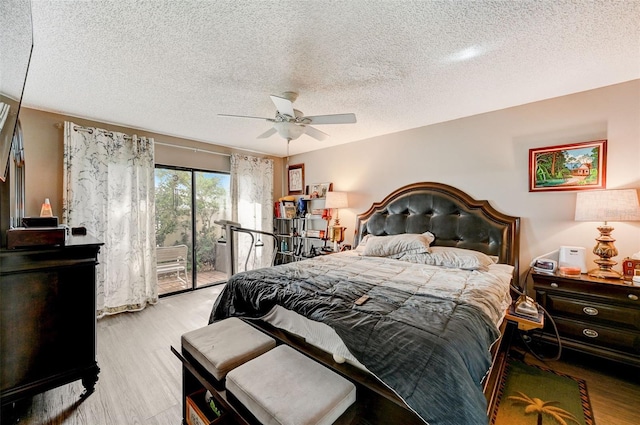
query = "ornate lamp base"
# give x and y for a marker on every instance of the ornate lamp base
(605, 273)
(605, 249)
(336, 233)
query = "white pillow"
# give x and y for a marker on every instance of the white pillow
(459, 258)
(360, 248)
(395, 246)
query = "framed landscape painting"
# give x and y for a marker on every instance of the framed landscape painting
(568, 167)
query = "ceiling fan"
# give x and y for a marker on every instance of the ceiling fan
(291, 123)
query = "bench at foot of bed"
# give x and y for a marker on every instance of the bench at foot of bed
(251, 382)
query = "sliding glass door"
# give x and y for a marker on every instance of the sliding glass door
(188, 202)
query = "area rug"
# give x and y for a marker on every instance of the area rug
(536, 395)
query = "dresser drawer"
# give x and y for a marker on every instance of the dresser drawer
(590, 311)
(596, 334)
(618, 293)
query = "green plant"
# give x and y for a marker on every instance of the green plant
(214, 408)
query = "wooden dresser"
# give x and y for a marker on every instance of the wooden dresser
(596, 316)
(48, 318)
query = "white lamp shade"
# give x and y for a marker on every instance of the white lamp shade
(336, 200)
(608, 205)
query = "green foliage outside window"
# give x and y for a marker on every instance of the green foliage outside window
(174, 211)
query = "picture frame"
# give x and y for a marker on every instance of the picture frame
(318, 190)
(575, 166)
(295, 180)
(289, 211)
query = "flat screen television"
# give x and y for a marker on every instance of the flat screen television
(16, 44)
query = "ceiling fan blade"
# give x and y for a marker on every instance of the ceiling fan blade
(245, 116)
(268, 133)
(315, 133)
(284, 106)
(333, 119)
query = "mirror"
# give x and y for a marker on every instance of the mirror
(17, 174)
(16, 43)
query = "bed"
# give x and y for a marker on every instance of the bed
(436, 266)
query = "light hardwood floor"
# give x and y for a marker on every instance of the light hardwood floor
(140, 379)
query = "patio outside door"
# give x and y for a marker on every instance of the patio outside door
(187, 204)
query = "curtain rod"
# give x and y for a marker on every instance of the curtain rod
(192, 149)
(80, 128)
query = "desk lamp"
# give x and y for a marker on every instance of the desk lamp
(605, 206)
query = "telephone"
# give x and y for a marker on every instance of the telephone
(546, 263)
(525, 306)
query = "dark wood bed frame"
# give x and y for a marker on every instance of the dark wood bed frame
(456, 220)
(454, 217)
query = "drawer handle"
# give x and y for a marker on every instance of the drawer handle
(590, 333)
(590, 311)
(554, 285)
(633, 297)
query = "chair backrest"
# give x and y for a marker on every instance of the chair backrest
(177, 253)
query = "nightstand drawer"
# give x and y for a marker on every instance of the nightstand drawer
(592, 312)
(617, 293)
(595, 334)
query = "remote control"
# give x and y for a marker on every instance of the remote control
(363, 299)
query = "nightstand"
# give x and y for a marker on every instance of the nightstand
(595, 316)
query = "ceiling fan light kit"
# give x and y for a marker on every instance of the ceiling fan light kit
(291, 123)
(289, 130)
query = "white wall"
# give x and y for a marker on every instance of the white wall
(487, 156)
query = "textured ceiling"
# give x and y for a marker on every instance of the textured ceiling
(171, 66)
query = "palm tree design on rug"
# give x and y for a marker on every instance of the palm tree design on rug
(535, 405)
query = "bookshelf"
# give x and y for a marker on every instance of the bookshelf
(301, 235)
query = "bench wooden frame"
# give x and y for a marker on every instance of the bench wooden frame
(170, 259)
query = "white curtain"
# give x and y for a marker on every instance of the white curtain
(252, 201)
(109, 189)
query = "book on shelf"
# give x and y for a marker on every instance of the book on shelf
(276, 209)
(315, 234)
(284, 209)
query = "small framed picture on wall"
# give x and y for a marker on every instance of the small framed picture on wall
(296, 179)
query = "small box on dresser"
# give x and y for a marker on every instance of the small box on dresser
(600, 317)
(630, 268)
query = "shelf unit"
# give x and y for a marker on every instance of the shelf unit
(294, 241)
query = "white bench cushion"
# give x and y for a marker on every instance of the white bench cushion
(285, 387)
(224, 345)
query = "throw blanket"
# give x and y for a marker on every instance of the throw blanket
(426, 331)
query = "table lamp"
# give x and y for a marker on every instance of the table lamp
(336, 200)
(605, 206)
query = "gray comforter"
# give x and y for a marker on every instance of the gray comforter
(425, 331)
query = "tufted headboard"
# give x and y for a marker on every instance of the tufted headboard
(455, 218)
